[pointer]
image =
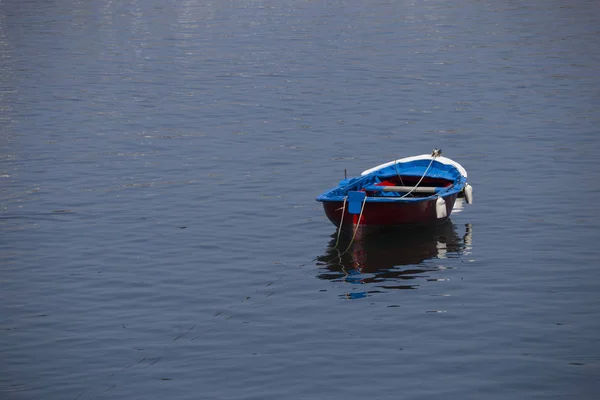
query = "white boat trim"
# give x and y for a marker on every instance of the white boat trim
(443, 160)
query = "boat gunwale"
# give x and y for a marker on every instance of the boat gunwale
(457, 185)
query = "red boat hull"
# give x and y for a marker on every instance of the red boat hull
(381, 216)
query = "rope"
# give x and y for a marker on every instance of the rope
(398, 172)
(339, 256)
(362, 208)
(341, 222)
(424, 173)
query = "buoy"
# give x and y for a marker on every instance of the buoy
(469, 194)
(440, 208)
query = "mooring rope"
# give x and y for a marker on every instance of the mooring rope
(339, 255)
(398, 172)
(362, 208)
(341, 223)
(424, 173)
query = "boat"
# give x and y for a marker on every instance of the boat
(411, 192)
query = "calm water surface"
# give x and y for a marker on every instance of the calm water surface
(159, 163)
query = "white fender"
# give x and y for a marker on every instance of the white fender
(440, 208)
(469, 194)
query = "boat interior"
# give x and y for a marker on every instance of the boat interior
(401, 185)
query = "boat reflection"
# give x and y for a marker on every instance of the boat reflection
(394, 260)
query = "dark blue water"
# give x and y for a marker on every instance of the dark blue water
(159, 163)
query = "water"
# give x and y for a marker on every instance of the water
(159, 164)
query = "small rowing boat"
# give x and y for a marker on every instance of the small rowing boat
(406, 193)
